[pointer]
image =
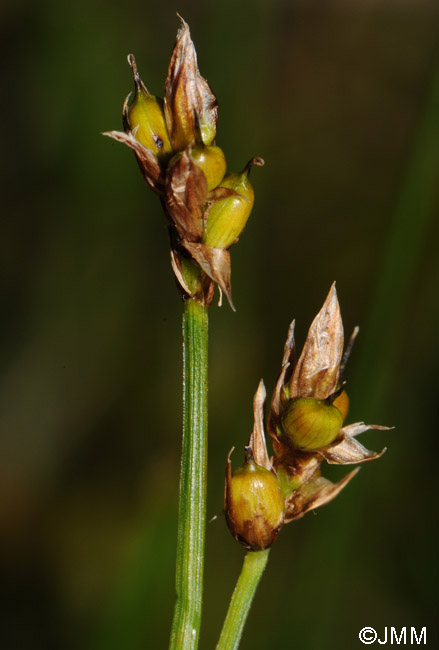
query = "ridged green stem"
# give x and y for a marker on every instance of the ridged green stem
(192, 509)
(242, 597)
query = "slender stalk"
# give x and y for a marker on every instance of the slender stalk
(242, 597)
(192, 509)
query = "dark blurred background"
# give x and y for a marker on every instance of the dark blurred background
(338, 99)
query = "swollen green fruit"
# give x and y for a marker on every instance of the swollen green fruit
(146, 118)
(254, 506)
(227, 217)
(311, 424)
(210, 159)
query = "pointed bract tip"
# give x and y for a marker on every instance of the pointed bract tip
(289, 343)
(332, 294)
(331, 307)
(183, 30)
(261, 389)
(182, 20)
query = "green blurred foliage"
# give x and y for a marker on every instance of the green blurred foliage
(333, 97)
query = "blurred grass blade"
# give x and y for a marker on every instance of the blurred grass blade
(138, 604)
(385, 332)
(402, 254)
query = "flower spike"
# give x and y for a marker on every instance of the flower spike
(173, 141)
(308, 407)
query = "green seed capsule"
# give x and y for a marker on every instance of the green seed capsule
(254, 506)
(207, 128)
(311, 424)
(211, 160)
(146, 118)
(227, 217)
(213, 163)
(342, 403)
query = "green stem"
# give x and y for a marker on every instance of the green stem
(192, 509)
(242, 597)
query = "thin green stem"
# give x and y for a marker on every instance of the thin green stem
(192, 509)
(242, 597)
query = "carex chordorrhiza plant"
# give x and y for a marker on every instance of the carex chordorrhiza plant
(206, 211)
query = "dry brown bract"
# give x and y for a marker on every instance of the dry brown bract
(191, 108)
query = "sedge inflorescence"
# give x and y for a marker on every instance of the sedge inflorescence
(305, 422)
(174, 143)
